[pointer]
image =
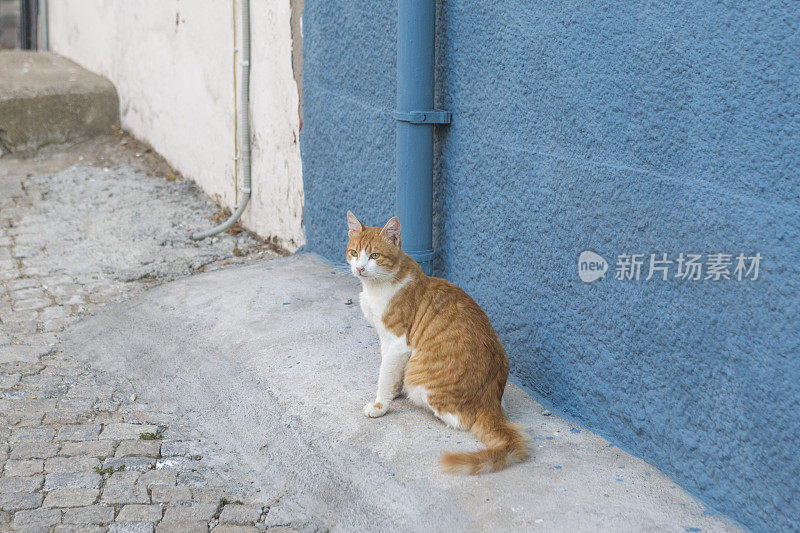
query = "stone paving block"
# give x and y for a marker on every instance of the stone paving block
(195, 526)
(33, 450)
(144, 448)
(163, 476)
(20, 500)
(73, 528)
(54, 311)
(181, 448)
(34, 529)
(189, 513)
(48, 391)
(19, 315)
(37, 517)
(74, 299)
(32, 435)
(32, 303)
(57, 279)
(22, 283)
(90, 391)
(12, 395)
(138, 464)
(70, 498)
(93, 514)
(19, 324)
(240, 514)
(78, 404)
(32, 292)
(20, 484)
(140, 513)
(98, 448)
(25, 467)
(28, 368)
(26, 419)
(41, 380)
(164, 493)
(64, 289)
(207, 494)
(37, 405)
(130, 527)
(108, 417)
(14, 366)
(175, 463)
(229, 528)
(34, 271)
(107, 404)
(124, 487)
(126, 431)
(8, 380)
(75, 480)
(65, 416)
(8, 274)
(78, 432)
(66, 465)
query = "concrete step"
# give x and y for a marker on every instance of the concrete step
(272, 366)
(46, 99)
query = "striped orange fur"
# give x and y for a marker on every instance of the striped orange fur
(437, 346)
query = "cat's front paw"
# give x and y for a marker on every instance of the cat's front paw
(374, 410)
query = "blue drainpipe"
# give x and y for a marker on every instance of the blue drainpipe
(415, 121)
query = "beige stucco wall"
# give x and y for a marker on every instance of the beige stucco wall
(172, 64)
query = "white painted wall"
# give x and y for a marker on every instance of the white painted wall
(172, 64)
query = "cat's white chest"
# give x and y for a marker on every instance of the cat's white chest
(375, 299)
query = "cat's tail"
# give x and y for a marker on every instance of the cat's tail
(505, 442)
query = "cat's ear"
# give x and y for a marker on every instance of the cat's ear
(392, 231)
(353, 225)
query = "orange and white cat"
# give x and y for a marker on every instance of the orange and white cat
(437, 346)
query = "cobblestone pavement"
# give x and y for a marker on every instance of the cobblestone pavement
(77, 451)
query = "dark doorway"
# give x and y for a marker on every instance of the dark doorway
(28, 23)
(19, 22)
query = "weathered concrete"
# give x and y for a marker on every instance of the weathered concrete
(47, 99)
(273, 361)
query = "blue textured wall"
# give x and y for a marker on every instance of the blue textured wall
(618, 128)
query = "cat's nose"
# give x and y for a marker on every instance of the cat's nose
(360, 270)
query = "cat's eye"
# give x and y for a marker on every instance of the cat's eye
(353, 253)
(374, 255)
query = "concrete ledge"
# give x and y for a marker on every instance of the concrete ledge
(272, 365)
(46, 99)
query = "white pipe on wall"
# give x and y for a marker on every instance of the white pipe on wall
(244, 120)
